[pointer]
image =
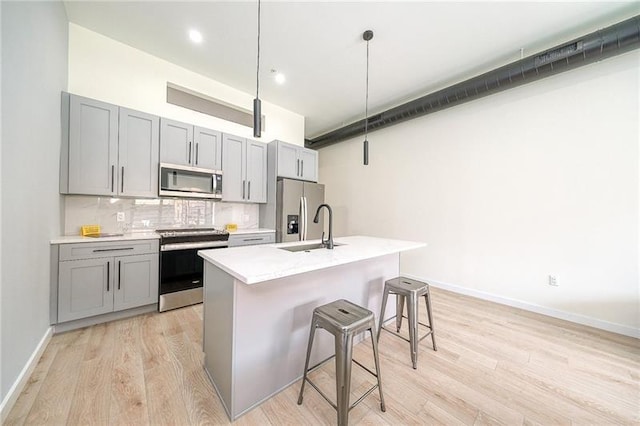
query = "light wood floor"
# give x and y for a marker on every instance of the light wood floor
(494, 365)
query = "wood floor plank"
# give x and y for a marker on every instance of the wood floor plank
(495, 365)
(52, 405)
(92, 397)
(20, 410)
(128, 392)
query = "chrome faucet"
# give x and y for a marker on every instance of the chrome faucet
(329, 242)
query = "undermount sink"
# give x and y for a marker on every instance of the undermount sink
(306, 247)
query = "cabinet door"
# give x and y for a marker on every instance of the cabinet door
(176, 142)
(136, 282)
(308, 164)
(208, 148)
(138, 151)
(85, 288)
(233, 168)
(288, 165)
(256, 172)
(93, 146)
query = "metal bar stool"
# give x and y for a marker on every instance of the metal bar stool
(409, 290)
(344, 320)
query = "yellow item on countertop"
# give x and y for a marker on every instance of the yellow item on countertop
(231, 227)
(88, 230)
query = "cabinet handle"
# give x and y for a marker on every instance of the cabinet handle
(113, 172)
(122, 182)
(118, 275)
(297, 167)
(249, 190)
(197, 145)
(108, 275)
(112, 249)
(253, 239)
(189, 153)
(301, 168)
(243, 186)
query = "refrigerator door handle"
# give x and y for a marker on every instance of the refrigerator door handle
(304, 219)
(301, 220)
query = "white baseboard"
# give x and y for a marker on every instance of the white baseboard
(544, 310)
(18, 386)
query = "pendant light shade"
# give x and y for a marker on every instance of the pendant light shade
(257, 105)
(367, 36)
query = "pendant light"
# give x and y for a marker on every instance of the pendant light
(367, 36)
(257, 114)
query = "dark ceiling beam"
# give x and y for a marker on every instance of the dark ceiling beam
(596, 46)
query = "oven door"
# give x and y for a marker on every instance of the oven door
(181, 274)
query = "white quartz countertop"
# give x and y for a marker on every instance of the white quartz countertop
(69, 239)
(252, 231)
(255, 264)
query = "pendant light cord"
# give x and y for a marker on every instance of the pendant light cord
(366, 99)
(258, 60)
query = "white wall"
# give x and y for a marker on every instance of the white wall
(34, 72)
(541, 179)
(104, 69)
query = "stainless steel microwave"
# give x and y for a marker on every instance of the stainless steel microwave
(186, 181)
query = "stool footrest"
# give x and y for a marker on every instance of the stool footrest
(383, 327)
(367, 393)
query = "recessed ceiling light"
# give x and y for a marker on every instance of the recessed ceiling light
(195, 36)
(278, 77)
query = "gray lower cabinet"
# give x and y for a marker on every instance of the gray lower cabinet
(237, 240)
(95, 279)
(244, 164)
(108, 150)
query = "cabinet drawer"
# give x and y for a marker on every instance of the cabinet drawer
(116, 248)
(251, 239)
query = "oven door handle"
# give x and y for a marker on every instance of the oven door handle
(199, 245)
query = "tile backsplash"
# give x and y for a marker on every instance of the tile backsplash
(143, 215)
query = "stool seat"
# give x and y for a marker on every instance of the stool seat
(344, 320)
(409, 290)
(343, 316)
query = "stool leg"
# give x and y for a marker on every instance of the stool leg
(377, 361)
(427, 299)
(306, 363)
(344, 347)
(399, 309)
(412, 313)
(385, 296)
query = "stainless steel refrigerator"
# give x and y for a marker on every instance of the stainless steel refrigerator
(296, 205)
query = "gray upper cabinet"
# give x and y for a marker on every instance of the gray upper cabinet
(91, 146)
(296, 162)
(256, 172)
(107, 150)
(208, 148)
(244, 167)
(176, 142)
(138, 146)
(188, 145)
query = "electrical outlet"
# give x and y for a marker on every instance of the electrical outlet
(553, 280)
(120, 217)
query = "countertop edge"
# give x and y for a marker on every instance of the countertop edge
(72, 239)
(260, 278)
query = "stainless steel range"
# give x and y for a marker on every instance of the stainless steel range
(181, 267)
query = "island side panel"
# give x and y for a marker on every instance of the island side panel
(273, 320)
(218, 331)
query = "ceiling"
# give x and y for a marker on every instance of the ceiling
(417, 48)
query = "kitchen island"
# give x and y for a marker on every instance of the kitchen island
(258, 303)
